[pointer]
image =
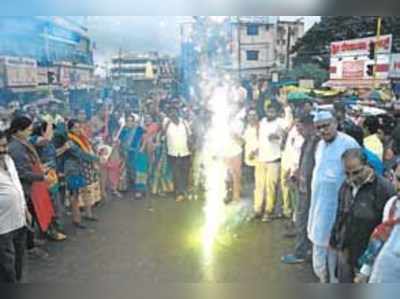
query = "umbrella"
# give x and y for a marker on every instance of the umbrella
(298, 97)
(374, 95)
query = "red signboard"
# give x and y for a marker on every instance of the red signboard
(353, 69)
(361, 46)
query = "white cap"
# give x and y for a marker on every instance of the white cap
(323, 115)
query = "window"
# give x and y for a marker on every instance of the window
(252, 55)
(252, 29)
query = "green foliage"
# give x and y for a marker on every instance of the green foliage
(308, 71)
(314, 46)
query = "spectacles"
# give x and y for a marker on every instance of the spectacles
(355, 172)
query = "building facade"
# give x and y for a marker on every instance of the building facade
(37, 52)
(287, 34)
(139, 72)
(247, 47)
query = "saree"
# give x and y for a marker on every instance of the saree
(89, 194)
(161, 179)
(39, 193)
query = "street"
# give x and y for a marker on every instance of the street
(132, 243)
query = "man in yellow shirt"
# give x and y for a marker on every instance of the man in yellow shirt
(375, 134)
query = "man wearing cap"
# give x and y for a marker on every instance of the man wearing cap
(328, 176)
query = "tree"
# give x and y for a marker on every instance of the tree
(308, 71)
(314, 46)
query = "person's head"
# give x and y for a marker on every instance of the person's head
(173, 113)
(396, 176)
(340, 111)
(372, 124)
(130, 121)
(252, 117)
(305, 125)
(74, 126)
(53, 109)
(21, 126)
(308, 107)
(147, 120)
(43, 129)
(357, 133)
(81, 115)
(271, 110)
(3, 144)
(326, 125)
(356, 166)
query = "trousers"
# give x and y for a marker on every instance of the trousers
(12, 255)
(324, 263)
(302, 243)
(267, 180)
(180, 170)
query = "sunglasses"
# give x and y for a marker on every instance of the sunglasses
(355, 172)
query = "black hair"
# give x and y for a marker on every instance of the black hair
(355, 153)
(19, 123)
(40, 128)
(356, 132)
(372, 124)
(71, 124)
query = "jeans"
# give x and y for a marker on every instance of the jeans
(12, 255)
(180, 169)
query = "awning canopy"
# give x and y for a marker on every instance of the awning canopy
(339, 83)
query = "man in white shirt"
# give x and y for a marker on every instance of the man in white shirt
(271, 132)
(12, 218)
(178, 134)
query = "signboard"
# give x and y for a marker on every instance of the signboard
(395, 66)
(351, 59)
(18, 72)
(353, 69)
(361, 46)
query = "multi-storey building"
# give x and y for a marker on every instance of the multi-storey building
(39, 51)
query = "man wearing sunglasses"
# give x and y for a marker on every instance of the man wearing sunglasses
(362, 199)
(328, 176)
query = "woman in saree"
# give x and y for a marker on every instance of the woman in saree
(42, 139)
(33, 175)
(129, 138)
(161, 179)
(79, 169)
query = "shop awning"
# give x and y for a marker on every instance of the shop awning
(355, 83)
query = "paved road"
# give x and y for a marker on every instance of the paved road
(131, 242)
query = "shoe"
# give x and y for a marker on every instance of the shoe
(291, 259)
(266, 218)
(180, 198)
(37, 253)
(91, 218)
(56, 236)
(79, 225)
(39, 242)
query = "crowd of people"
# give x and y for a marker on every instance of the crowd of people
(332, 174)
